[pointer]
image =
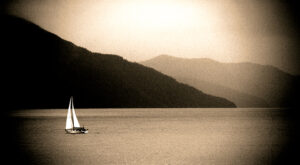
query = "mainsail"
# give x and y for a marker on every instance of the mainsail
(69, 122)
(72, 121)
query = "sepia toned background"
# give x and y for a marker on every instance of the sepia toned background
(155, 82)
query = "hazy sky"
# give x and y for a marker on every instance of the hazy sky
(259, 31)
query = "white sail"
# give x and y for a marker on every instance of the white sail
(69, 123)
(75, 120)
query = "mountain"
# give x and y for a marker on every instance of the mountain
(246, 84)
(41, 70)
(239, 98)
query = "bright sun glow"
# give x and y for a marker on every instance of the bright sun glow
(161, 15)
(154, 15)
(157, 27)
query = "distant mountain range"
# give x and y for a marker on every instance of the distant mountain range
(246, 84)
(41, 70)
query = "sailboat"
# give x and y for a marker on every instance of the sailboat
(72, 124)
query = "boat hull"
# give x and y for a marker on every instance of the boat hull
(76, 131)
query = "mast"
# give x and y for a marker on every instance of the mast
(72, 111)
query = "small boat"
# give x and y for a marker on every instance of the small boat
(72, 124)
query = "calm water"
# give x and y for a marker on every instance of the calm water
(155, 136)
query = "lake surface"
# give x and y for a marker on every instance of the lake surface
(155, 136)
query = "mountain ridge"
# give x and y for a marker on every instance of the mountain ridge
(268, 85)
(162, 56)
(42, 71)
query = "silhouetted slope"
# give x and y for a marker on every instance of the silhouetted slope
(255, 83)
(42, 70)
